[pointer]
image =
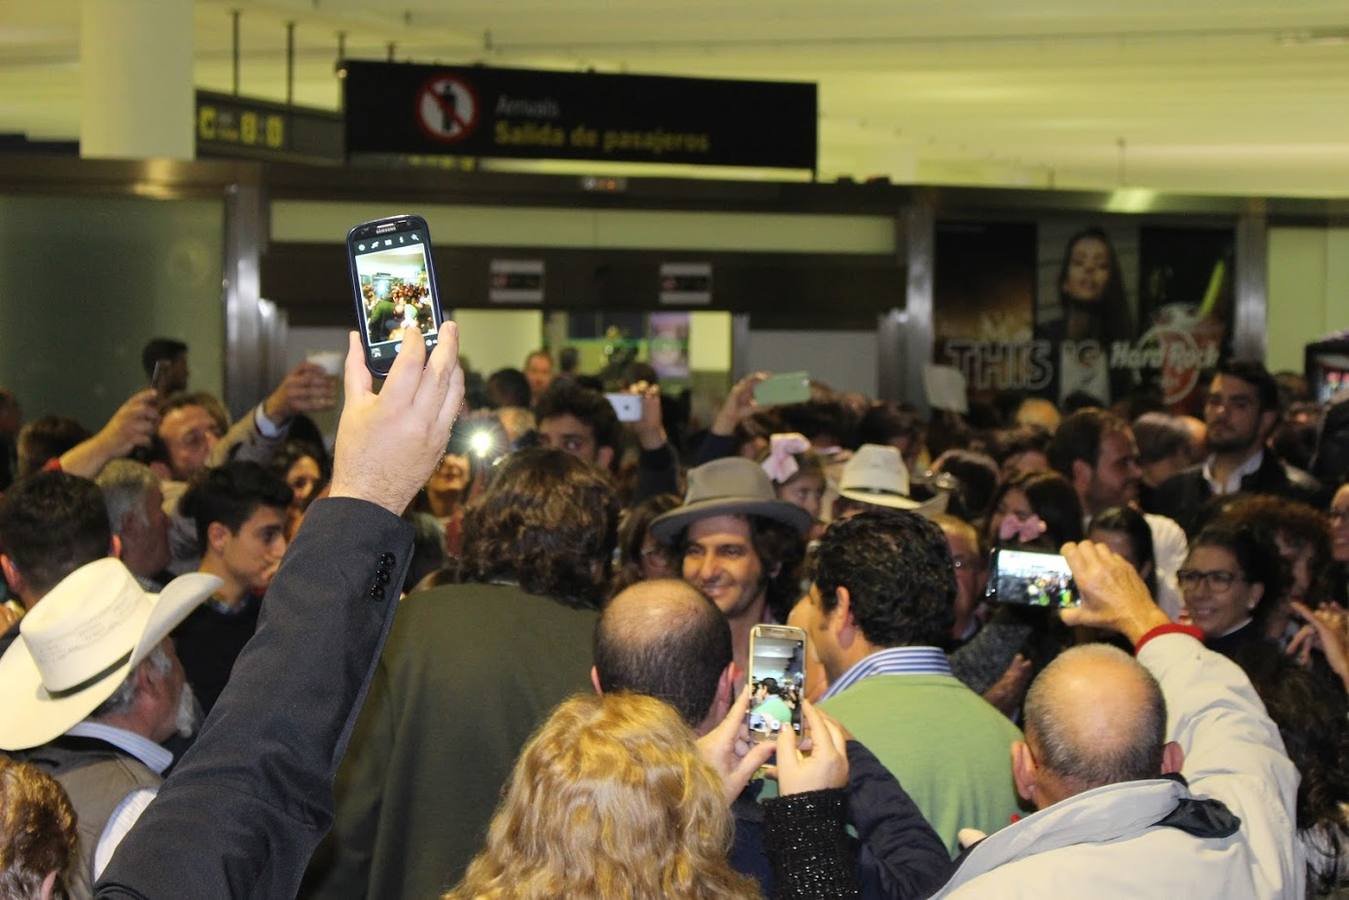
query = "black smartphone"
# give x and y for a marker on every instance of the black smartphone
(777, 680)
(394, 284)
(1031, 578)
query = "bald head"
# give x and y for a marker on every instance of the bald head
(663, 638)
(1040, 412)
(1094, 717)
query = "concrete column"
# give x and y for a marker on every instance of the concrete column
(136, 88)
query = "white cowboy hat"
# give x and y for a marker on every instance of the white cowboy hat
(729, 486)
(876, 474)
(79, 643)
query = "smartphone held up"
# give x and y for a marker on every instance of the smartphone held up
(777, 678)
(394, 284)
(1031, 578)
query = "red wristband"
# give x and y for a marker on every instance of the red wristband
(1169, 628)
(52, 465)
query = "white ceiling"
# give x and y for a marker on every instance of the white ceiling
(1238, 96)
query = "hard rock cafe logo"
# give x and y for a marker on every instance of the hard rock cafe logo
(1180, 346)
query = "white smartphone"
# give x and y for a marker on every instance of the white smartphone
(628, 407)
(777, 680)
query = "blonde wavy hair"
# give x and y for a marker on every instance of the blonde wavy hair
(609, 799)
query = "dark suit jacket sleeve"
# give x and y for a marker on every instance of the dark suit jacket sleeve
(242, 813)
(341, 867)
(900, 855)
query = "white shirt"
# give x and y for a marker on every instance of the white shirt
(1233, 482)
(155, 758)
(1169, 549)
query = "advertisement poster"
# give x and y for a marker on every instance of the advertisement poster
(1118, 309)
(984, 305)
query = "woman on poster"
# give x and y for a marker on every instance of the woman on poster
(1096, 314)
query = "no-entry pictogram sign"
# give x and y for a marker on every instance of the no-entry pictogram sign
(447, 108)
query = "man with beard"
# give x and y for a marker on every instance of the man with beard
(1096, 451)
(98, 729)
(1241, 410)
(740, 545)
(240, 513)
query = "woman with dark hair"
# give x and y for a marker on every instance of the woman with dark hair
(1034, 511)
(1124, 530)
(1095, 314)
(306, 470)
(1230, 581)
(640, 556)
(1313, 719)
(1036, 508)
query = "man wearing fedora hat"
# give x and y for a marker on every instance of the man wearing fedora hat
(93, 686)
(740, 545)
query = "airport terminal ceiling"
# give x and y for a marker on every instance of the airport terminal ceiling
(1219, 96)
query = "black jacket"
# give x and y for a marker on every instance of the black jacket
(898, 854)
(242, 813)
(1182, 496)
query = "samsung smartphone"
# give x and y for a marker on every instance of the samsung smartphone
(1031, 578)
(779, 390)
(628, 407)
(394, 284)
(777, 680)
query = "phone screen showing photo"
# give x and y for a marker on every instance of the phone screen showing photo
(395, 290)
(1032, 579)
(777, 682)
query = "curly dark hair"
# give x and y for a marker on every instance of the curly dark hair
(1313, 718)
(897, 568)
(547, 521)
(566, 398)
(1297, 524)
(781, 550)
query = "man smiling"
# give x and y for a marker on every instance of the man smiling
(740, 545)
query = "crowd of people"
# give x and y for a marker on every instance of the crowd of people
(489, 641)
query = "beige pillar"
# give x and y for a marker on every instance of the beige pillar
(136, 89)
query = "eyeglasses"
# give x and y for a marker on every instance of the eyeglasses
(1218, 581)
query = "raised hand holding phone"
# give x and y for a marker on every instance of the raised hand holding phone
(389, 443)
(729, 754)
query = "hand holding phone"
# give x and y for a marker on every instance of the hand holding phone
(827, 764)
(394, 284)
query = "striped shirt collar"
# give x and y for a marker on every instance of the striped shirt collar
(893, 661)
(155, 757)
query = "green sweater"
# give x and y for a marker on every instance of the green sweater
(949, 748)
